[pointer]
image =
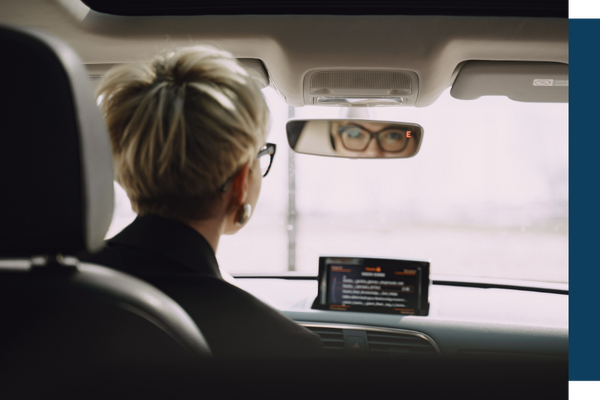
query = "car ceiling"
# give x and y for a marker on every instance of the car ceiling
(290, 46)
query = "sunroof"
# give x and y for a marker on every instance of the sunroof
(492, 8)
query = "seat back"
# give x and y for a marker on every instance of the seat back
(56, 201)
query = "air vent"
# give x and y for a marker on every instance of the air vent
(333, 339)
(395, 344)
(377, 342)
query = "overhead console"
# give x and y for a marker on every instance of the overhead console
(355, 87)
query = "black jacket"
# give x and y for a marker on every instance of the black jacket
(179, 261)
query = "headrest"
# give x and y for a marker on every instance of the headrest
(56, 177)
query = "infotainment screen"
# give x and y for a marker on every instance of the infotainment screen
(375, 285)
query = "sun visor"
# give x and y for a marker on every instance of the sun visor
(255, 68)
(539, 82)
(97, 71)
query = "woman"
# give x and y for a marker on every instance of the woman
(188, 136)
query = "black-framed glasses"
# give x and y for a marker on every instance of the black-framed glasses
(391, 139)
(265, 157)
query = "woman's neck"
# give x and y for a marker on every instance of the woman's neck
(211, 229)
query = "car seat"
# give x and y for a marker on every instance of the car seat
(56, 200)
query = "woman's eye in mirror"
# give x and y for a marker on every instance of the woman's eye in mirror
(393, 135)
(351, 132)
(392, 140)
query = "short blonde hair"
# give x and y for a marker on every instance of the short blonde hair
(180, 127)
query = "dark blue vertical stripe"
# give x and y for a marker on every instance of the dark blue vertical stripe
(584, 204)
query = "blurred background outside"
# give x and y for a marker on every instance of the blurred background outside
(487, 195)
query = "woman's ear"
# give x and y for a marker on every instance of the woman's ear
(239, 186)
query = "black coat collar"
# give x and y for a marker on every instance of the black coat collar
(170, 239)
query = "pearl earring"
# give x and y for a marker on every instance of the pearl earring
(245, 215)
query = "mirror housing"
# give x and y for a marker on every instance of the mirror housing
(354, 138)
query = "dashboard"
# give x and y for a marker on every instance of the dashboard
(466, 320)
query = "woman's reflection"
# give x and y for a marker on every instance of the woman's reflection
(366, 139)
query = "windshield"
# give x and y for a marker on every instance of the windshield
(487, 195)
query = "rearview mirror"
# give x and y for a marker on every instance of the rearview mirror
(354, 138)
